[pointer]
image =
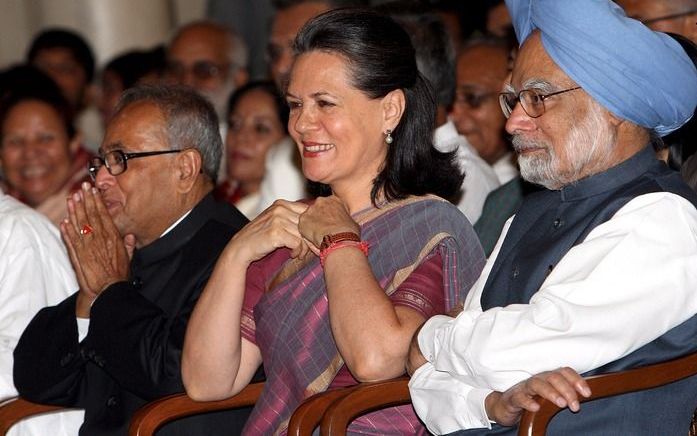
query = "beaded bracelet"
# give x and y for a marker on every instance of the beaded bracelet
(363, 246)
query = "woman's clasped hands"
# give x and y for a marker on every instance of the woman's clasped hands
(297, 226)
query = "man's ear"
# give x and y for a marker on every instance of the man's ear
(393, 105)
(188, 168)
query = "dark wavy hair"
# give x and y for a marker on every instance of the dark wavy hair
(267, 87)
(380, 59)
(69, 40)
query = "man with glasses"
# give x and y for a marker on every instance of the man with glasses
(210, 58)
(596, 272)
(143, 242)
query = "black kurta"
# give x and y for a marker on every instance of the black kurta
(132, 352)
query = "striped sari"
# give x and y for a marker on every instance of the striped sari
(291, 320)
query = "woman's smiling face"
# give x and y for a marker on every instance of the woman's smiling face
(338, 128)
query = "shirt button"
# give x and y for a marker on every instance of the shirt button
(515, 273)
(111, 401)
(65, 360)
(557, 223)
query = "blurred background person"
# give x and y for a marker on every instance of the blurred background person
(675, 16)
(482, 66)
(66, 58)
(435, 58)
(126, 70)
(41, 156)
(210, 58)
(257, 121)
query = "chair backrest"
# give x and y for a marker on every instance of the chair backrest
(607, 385)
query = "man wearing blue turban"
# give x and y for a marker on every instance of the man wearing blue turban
(597, 271)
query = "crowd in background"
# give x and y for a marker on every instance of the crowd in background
(465, 50)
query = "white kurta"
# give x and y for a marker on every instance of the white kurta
(34, 272)
(646, 255)
(480, 178)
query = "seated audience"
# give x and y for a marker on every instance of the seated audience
(34, 273)
(328, 293)
(125, 71)
(41, 156)
(143, 241)
(257, 121)
(595, 272)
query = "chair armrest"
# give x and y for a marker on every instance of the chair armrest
(364, 398)
(607, 385)
(16, 409)
(149, 418)
(308, 415)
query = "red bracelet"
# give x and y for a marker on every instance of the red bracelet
(363, 246)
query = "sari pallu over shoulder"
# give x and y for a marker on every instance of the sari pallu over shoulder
(292, 318)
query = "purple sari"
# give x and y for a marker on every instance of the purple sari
(291, 319)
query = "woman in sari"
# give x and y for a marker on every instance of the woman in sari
(330, 293)
(41, 157)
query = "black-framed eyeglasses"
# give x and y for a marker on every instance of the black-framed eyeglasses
(115, 161)
(531, 100)
(669, 17)
(472, 98)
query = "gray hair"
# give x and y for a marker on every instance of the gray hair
(190, 120)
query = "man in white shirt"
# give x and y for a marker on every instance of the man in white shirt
(597, 271)
(34, 273)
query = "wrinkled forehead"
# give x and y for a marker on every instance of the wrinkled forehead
(534, 66)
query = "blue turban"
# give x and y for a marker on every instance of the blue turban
(637, 74)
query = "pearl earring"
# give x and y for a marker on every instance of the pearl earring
(388, 137)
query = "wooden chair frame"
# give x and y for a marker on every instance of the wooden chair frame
(607, 385)
(151, 417)
(16, 409)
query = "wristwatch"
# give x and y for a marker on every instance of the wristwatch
(330, 240)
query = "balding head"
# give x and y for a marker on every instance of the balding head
(210, 58)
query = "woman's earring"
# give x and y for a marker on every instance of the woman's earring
(388, 137)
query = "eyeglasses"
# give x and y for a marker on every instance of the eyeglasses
(473, 99)
(531, 100)
(115, 161)
(669, 17)
(201, 70)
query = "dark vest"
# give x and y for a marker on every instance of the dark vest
(546, 227)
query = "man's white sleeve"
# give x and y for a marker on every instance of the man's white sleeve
(631, 280)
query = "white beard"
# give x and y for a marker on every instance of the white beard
(588, 147)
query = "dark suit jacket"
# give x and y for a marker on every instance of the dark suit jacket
(132, 352)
